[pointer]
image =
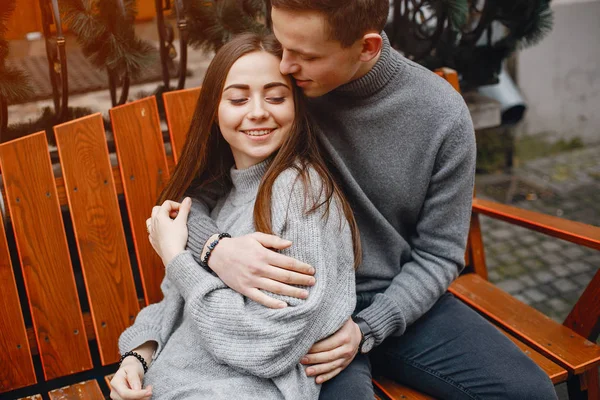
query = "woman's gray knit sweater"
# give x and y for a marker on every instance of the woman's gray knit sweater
(214, 342)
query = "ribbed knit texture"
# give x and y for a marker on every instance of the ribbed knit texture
(215, 343)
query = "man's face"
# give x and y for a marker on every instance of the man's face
(318, 63)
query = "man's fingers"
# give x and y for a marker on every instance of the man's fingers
(323, 357)
(289, 263)
(265, 300)
(330, 375)
(282, 289)
(288, 277)
(271, 241)
(330, 343)
(320, 369)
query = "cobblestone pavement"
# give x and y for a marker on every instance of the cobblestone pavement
(549, 274)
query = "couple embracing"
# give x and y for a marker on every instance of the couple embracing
(326, 184)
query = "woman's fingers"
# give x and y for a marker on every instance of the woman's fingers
(123, 387)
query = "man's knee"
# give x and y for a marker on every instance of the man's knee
(528, 383)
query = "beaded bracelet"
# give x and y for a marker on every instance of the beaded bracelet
(211, 246)
(136, 355)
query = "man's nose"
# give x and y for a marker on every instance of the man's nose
(288, 66)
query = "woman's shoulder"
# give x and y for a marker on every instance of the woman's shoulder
(299, 180)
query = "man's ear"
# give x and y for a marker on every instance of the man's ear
(371, 46)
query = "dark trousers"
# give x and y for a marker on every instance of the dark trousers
(450, 353)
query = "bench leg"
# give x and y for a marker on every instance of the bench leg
(585, 386)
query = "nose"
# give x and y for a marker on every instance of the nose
(258, 111)
(288, 66)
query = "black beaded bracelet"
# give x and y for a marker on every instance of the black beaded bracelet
(211, 246)
(136, 355)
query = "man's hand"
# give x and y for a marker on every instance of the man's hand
(247, 264)
(330, 356)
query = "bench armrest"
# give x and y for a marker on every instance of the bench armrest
(575, 232)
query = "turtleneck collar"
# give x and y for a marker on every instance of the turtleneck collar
(246, 181)
(376, 79)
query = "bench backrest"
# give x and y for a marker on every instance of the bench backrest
(63, 308)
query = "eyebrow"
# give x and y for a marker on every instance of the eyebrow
(246, 87)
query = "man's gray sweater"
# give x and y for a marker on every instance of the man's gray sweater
(403, 144)
(214, 342)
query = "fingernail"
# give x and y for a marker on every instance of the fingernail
(309, 371)
(312, 281)
(282, 305)
(304, 360)
(319, 380)
(304, 294)
(311, 270)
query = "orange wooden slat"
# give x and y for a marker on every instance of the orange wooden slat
(179, 110)
(43, 250)
(562, 345)
(450, 75)
(476, 248)
(576, 232)
(107, 380)
(555, 372)
(396, 391)
(116, 172)
(88, 390)
(98, 230)
(16, 365)
(139, 143)
(34, 397)
(89, 329)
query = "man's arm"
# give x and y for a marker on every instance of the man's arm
(439, 241)
(437, 256)
(249, 263)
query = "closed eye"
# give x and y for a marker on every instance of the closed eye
(238, 101)
(276, 100)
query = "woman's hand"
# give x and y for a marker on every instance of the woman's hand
(126, 384)
(168, 235)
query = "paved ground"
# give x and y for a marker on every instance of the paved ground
(547, 273)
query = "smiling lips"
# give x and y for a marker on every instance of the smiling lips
(258, 132)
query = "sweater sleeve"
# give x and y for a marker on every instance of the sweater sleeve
(269, 342)
(439, 241)
(200, 225)
(155, 322)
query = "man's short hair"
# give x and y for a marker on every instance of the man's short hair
(348, 20)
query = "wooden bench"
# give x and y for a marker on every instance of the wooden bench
(83, 266)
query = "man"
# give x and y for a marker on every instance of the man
(402, 144)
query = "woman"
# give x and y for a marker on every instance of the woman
(250, 140)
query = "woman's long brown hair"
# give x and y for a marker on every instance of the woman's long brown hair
(206, 158)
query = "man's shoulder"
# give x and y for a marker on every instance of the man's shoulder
(424, 90)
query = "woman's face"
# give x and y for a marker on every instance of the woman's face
(256, 110)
